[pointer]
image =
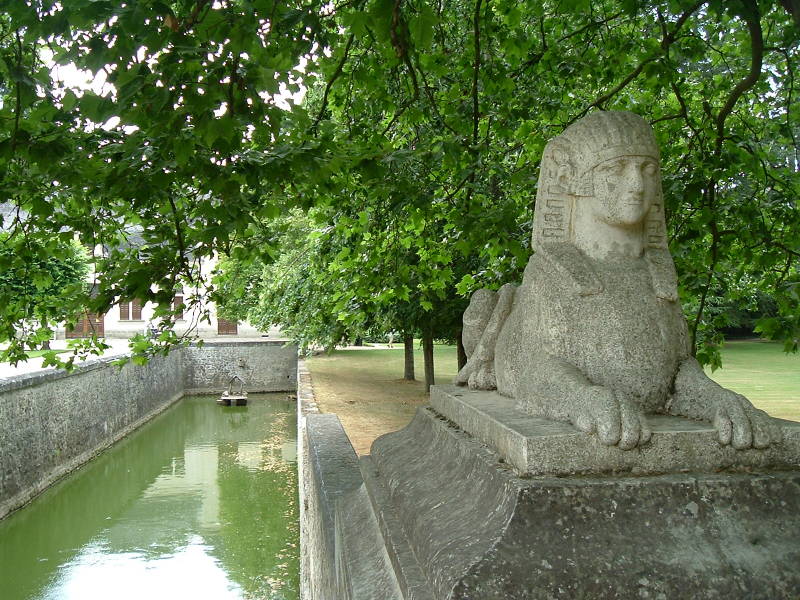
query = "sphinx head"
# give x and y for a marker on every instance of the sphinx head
(604, 166)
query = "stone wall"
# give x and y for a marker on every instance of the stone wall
(264, 366)
(52, 422)
(331, 473)
(306, 404)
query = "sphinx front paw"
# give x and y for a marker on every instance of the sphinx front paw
(483, 377)
(617, 420)
(742, 425)
(478, 375)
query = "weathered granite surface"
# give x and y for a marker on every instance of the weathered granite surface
(539, 446)
(363, 567)
(480, 531)
(306, 405)
(344, 550)
(331, 471)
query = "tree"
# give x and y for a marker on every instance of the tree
(444, 105)
(40, 286)
(715, 79)
(167, 145)
(334, 281)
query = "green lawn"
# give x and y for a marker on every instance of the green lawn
(388, 364)
(765, 374)
(759, 370)
(38, 353)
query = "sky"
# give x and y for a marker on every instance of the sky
(71, 77)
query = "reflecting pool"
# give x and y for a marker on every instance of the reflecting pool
(200, 503)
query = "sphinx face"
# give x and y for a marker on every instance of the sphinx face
(625, 188)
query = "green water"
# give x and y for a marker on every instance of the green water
(200, 503)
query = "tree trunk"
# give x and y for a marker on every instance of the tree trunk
(427, 353)
(359, 341)
(408, 346)
(461, 353)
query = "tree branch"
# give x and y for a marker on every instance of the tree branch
(18, 96)
(398, 33)
(426, 86)
(194, 18)
(476, 65)
(752, 18)
(331, 81)
(666, 41)
(179, 235)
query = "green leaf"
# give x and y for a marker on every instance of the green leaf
(422, 26)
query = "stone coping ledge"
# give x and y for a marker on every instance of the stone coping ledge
(243, 342)
(32, 378)
(306, 401)
(535, 446)
(38, 377)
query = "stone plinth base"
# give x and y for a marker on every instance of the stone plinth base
(537, 446)
(478, 530)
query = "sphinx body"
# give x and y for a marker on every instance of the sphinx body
(595, 335)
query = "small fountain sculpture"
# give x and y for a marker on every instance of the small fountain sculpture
(233, 398)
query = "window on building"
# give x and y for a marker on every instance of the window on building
(225, 327)
(177, 306)
(89, 325)
(130, 310)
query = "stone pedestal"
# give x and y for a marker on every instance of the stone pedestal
(489, 503)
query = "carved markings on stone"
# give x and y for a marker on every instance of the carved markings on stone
(555, 226)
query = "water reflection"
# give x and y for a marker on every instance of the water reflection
(201, 501)
(98, 573)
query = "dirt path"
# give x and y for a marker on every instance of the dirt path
(364, 387)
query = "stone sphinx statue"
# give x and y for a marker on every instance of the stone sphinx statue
(595, 335)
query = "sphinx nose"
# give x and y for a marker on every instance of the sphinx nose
(635, 180)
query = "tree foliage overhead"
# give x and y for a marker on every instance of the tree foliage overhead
(179, 142)
(418, 143)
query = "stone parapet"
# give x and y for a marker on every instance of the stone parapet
(344, 553)
(263, 365)
(352, 547)
(53, 422)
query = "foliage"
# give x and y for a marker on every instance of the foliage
(327, 287)
(416, 148)
(41, 284)
(165, 146)
(289, 291)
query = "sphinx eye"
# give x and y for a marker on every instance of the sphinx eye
(616, 167)
(649, 169)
